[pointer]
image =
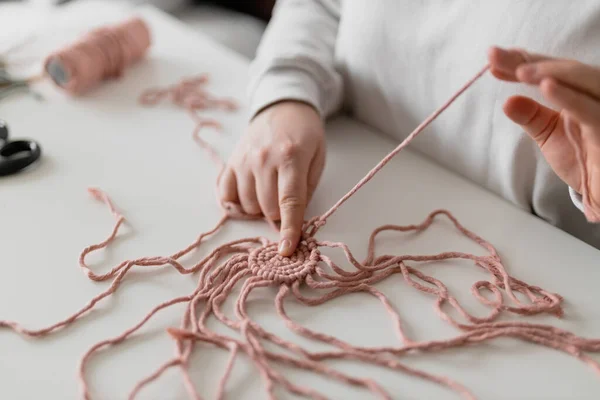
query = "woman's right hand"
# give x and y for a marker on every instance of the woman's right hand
(276, 167)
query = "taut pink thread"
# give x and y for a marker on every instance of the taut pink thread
(104, 53)
(252, 263)
(404, 143)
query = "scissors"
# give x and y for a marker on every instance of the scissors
(16, 155)
(9, 85)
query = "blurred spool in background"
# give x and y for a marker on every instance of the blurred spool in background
(103, 53)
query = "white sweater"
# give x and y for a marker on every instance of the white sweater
(390, 63)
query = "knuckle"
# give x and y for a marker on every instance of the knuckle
(548, 87)
(290, 232)
(288, 151)
(272, 214)
(237, 163)
(251, 207)
(261, 156)
(291, 202)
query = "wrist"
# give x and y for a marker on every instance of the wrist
(282, 85)
(288, 104)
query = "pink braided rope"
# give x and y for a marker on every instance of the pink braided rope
(252, 263)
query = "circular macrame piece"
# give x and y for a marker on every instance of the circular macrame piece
(268, 264)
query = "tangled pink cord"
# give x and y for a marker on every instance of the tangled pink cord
(254, 262)
(191, 95)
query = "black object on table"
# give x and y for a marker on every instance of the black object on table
(16, 155)
(9, 85)
(261, 9)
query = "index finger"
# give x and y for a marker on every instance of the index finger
(293, 182)
(504, 63)
(582, 77)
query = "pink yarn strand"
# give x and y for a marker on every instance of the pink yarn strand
(404, 143)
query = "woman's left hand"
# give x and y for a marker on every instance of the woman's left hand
(574, 89)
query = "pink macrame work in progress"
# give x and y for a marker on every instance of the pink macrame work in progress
(252, 263)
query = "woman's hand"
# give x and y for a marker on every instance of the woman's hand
(574, 90)
(276, 167)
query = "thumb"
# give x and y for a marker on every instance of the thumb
(539, 121)
(292, 204)
(546, 127)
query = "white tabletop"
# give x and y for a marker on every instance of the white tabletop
(162, 182)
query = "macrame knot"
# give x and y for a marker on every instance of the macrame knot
(267, 263)
(312, 226)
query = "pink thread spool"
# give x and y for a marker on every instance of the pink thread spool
(103, 53)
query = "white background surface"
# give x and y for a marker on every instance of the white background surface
(163, 183)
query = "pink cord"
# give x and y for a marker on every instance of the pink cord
(404, 143)
(253, 263)
(191, 95)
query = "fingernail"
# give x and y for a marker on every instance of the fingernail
(284, 246)
(501, 59)
(528, 73)
(500, 53)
